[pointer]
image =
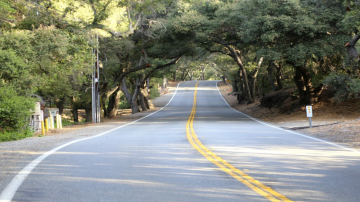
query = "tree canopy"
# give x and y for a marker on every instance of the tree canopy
(260, 45)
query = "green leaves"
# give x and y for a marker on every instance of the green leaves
(12, 66)
(14, 110)
(191, 20)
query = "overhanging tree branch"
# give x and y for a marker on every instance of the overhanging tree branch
(144, 66)
(176, 60)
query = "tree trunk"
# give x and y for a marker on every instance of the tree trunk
(239, 62)
(148, 87)
(144, 96)
(132, 99)
(241, 96)
(60, 104)
(190, 74)
(148, 102)
(88, 111)
(278, 76)
(75, 113)
(307, 83)
(258, 91)
(254, 77)
(350, 48)
(103, 98)
(303, 82)
(106, 95)
(202, 73)
(142, 102)
(134, 107)
(114, 101)
(174, 75)
(183, 77)
(270, 75)
(164, 82)
(235, 86)
(141, 87)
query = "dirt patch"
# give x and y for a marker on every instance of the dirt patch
(337, 122)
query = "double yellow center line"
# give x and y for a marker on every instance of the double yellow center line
(239, 175)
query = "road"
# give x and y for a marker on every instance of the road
(196, 149)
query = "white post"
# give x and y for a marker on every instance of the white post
(60, 122)
(309, 113)
(57, 122)
(51, 122)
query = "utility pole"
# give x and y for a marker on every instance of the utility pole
(95, 82)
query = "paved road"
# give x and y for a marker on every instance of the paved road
(195, 151)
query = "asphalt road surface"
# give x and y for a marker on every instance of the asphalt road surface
(195, 149)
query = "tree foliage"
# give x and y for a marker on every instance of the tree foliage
(15, 111)
(260, 45)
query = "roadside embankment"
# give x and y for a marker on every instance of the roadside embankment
(332, 121)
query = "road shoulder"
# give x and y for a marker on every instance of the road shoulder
(327, 127)
(15, 155)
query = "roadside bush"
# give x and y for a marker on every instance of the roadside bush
(15, 112)
(343, 85)
(154, 93)
(15, 135)
(124, 105)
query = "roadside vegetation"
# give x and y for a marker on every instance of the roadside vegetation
(259, 46)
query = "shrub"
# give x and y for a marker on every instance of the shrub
(154, 93)
(14, 135)
(124, 105)
(15, 112)
(344, 86)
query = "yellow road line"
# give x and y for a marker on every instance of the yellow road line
(239, 175)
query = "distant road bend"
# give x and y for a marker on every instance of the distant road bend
(195, 149)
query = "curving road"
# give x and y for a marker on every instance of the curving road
(196, 149)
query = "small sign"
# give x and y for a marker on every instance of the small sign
(309, 112)
(53, 111)
(37, 109)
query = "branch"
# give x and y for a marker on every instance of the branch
(222, 42)
(144, 66)
(176, 60)
(350, 47)
(230, 43)
(95, 14)
(131, 27)
(215, 51)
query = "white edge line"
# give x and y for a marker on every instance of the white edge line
(9, 192)
(289, 131)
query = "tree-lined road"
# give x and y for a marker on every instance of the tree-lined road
(240, 159)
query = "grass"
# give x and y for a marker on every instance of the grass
(13, 135)
(67, 122)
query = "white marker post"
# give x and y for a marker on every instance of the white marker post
(309, 113)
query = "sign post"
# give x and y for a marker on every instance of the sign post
(309, 113)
